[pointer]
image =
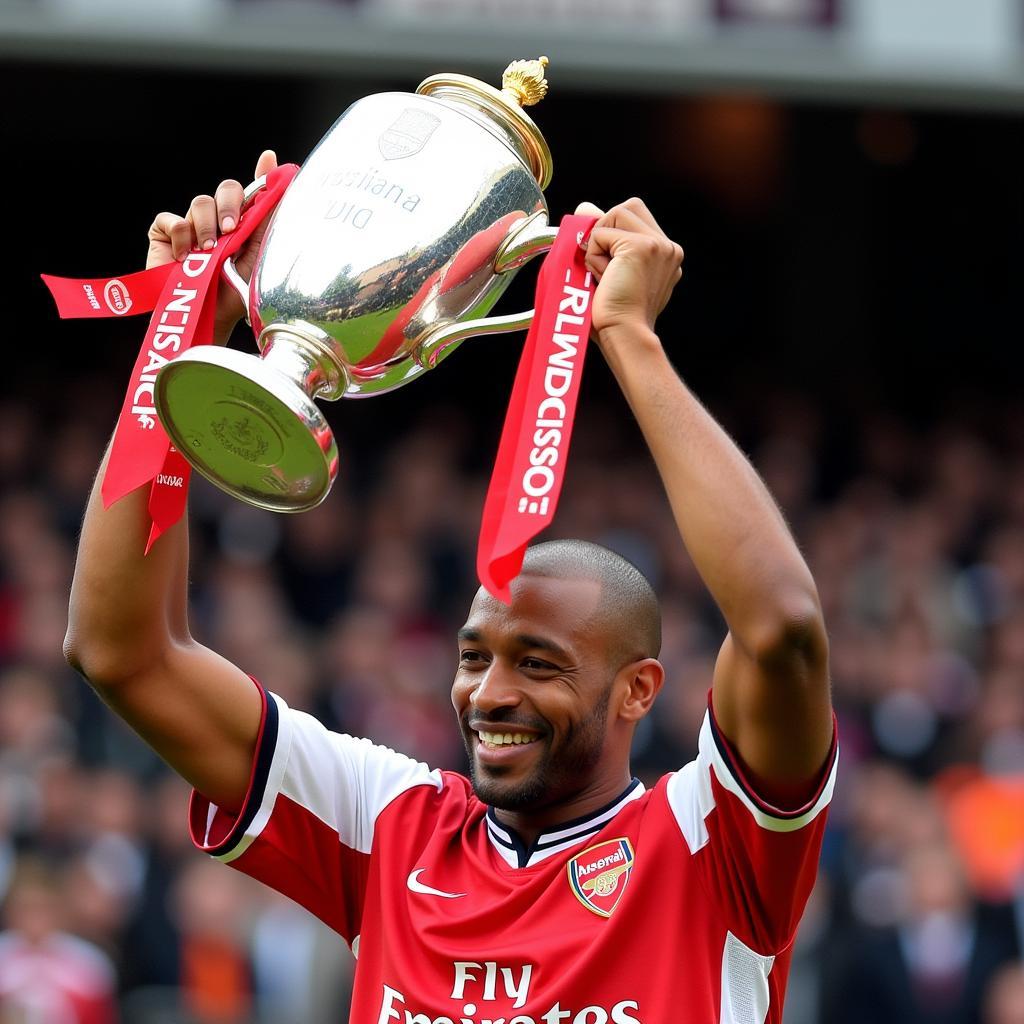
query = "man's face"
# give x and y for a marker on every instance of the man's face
(532, 691)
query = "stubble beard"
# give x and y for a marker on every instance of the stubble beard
(558, 775)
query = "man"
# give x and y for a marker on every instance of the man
(46, 973)
(552, 888)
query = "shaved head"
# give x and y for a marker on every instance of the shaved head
(628, 610)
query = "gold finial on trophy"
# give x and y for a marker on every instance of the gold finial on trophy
(524, 81)
(523, 84)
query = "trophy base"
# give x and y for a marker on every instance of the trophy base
(247, 428)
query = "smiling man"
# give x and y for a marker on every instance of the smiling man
(551, 887)
(579, 613)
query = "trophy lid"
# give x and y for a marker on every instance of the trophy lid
(522, 85)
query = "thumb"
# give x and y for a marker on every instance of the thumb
(589, 210)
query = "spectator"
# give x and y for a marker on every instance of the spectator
(933, 964)
(916, 544)
(46, 975)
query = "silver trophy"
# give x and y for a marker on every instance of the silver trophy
(401, 231)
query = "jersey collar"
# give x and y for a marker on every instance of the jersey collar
(559, 837)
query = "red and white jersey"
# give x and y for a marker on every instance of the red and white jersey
(674, 905)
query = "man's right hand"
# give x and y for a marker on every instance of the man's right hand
(172, 237)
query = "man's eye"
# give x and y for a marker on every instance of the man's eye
(536, 663)
(471, 656)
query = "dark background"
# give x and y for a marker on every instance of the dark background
(868, 256)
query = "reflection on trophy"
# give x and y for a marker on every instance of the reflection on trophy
(396, 238)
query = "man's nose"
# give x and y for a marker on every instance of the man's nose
(495, 689)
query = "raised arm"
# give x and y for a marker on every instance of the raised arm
(128, 628)
(771, 694)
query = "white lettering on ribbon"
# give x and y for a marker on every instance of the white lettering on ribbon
(173, 319)
(549, 435)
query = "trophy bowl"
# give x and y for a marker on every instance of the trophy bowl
(396, 238)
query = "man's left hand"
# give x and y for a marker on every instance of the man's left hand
(636, 264)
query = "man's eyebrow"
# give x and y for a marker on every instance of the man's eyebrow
(541, 644)
(537, 643)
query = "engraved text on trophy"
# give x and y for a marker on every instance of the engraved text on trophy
(370, 183)
(408, 135)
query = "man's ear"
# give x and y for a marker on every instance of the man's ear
(642, 681)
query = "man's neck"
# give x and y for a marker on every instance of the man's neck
(528, 824)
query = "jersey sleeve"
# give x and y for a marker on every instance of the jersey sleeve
(307, 825)
(757, 862)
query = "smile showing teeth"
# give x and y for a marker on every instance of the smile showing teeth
(498, 739)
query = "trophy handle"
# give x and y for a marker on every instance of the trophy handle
(230, 271)
(526, 239)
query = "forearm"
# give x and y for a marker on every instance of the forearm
(729, 522)
(125, 607)
(770, 688)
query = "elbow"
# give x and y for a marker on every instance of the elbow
(86, 648)
(108, 647)
(88, 659)
(72, 652)
(792, 637)
(102, 664)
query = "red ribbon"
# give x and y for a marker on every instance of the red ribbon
(78, 298)
(530, 466)
(183, 298)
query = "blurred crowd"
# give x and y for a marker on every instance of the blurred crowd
(915, 536)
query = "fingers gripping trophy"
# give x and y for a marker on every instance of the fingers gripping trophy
(396, 238)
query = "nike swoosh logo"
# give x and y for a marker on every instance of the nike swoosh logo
(417, 886)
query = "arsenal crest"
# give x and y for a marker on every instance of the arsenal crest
(408, 135)
(599, 874)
